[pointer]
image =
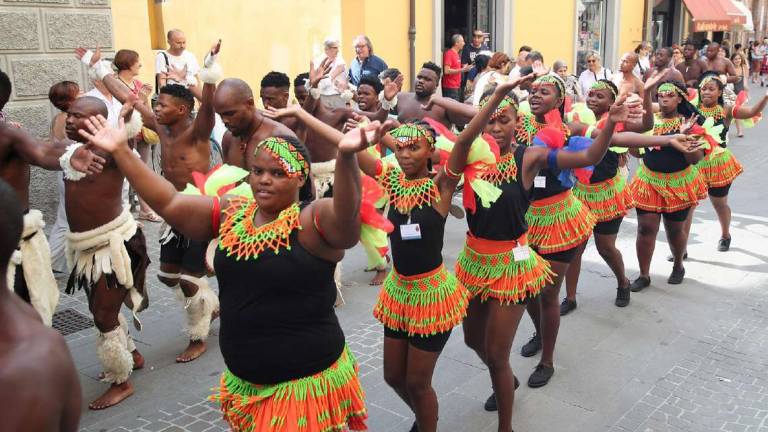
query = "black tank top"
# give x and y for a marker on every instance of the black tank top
(505, 219)
(718, 114)
(607, 168)
(277, 317)
(412, 257)
(666, 159)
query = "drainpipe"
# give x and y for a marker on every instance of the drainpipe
(412, 42)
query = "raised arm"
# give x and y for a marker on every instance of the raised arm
(46, 154)
(206, 116)
(191, 215)
(745, 112)
(457, 112)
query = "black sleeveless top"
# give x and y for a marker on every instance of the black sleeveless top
(505, 219)
(607, 168)
(277, 317)
(412, 257)
(666, 159)
(719, 116)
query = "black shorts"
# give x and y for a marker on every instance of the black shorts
(434, 343)
(565, 256)
(676, 216)
(610, 227)
(719, 192)
(185, 253)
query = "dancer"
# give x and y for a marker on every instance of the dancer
(287, 364)
(666, 185)
(720, 167)
(39, 388)
(499, 235)
(185, 148)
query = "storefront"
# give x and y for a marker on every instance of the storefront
(592, 25)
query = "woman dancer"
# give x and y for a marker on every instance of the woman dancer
(287, 364)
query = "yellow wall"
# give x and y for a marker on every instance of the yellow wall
(388, 33)
(130, 21)
(630, 24)
(534, 24)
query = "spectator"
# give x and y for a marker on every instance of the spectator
(677, 55)
(764, 61)
(521, 61)
(643, 51)
(572, 87)
(479, 68)
(365, 62)
(176, 65)
(757, 52)
(452, 68)
(498, 69)
(595, 71)
(470, 53)
(335, 83)
(742, 70)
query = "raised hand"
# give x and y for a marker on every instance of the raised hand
(317, 74)
(145, 91)
(685, 144)
(686, 126)
(215, 48)
(86, 161)
(100, 134)
(392, 87)
(81, 52)
(655, 78)
(539, 69)
(619, 111)
(360, 138)
(278, 113)
(508, 86)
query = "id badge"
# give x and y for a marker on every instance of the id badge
(540, 182)
(521, 253)
(410, 232)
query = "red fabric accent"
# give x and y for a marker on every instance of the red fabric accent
(468, 197)
(494, 247)
(601, 124)
(441, 129)
(379, 167)
(493, 145)
(584, 175)
(216, 216)
(372, 192)
(451, 58)
(699, 130)
(568, 104)
(553, 118)
(692, 94)
(553, 137)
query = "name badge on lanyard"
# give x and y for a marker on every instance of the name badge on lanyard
(540, 182)
(409, 231)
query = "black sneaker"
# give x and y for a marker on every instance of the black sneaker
(676, 277)
(490, 403)
(622, 297)
(671, 258)
(639, 284)
(724, 244)
(540, 377)
(567, 306)
(532, 347)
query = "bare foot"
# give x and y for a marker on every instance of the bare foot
(138, 362)
(115, 394)
(194, 350)
(378, 279)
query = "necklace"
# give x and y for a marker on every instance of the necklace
(239, 237)
(405, 194)
(666, 126)
(527, 128)
(244, 143)
(504, 171)
(716, 112)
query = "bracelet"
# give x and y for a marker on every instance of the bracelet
(450, 174)
(387, 105)
(315, 93)
(101, 69)
(134, 124)
(552, 158)
(212, 71)
(66, 165)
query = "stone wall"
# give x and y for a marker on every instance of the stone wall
(37, 41)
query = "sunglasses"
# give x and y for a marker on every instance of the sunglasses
(592, 61)
(478, 35)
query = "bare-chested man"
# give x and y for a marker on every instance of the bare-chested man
(693, 66)
(409, 106)
(184, 148)
(39, 388)
(662, 61)
(721, 65)
(627, 82)
(30, 273)
(108, 252)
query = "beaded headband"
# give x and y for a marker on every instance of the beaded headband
(602, 85)
(410, 133)
(287, 155)
(552, 80)
(708, 79)
(505, 104)
(671, 89)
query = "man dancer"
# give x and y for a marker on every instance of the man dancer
(107, 251)
(722, 65)
(185, 148)
(29, 272)
(693, 66)
(30, 353)
(409, 106)
(662, 65)
(627, 82)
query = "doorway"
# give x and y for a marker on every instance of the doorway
(464, 16)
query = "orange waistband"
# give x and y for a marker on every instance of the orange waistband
(562, 196)
(425, 275)
(493, 247)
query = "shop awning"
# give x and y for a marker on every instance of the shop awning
(714, 15)
(748, 25)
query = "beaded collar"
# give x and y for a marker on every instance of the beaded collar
(405, 194)
(716, 112)
(241, 239)
(505, 171)
(666, 126)
(527, 127)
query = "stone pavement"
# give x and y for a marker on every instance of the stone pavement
(692, 357)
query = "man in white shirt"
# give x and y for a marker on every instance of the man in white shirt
(521, 61)
(176, 65)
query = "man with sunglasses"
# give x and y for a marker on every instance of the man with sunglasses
(477, 43)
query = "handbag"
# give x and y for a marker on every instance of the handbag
(157, 80)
